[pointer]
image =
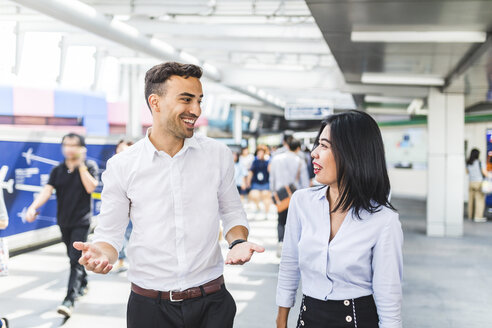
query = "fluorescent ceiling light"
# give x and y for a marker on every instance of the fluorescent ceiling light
(387, 100)
(383, 78)
(273, 67)
(415, 36)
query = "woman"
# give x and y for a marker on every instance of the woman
(476, 198)
(344, 239)
(258, 179)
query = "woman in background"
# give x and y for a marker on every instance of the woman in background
(476, 198)
(258, 179)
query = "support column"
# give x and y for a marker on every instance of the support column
(446, 164)
(19, 46)
(134, 125)
(238, 125)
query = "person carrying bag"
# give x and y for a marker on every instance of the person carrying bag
(288, 173)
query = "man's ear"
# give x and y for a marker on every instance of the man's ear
(154, 102)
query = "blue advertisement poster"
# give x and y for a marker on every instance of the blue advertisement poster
(488, 198)
(24, 170)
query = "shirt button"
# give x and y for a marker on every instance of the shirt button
(346, 302)
(348, 318)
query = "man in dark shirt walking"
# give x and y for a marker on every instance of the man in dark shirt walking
(74, 181)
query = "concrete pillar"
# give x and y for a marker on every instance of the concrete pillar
(237, 130)
(134, 125)
(446, 164)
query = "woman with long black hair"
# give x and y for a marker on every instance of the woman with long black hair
(476, 198)
(344, 239)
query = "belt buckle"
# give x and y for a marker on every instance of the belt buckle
(171, 297)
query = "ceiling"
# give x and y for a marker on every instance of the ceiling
(338, 19)
(270, 45)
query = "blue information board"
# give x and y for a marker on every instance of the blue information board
(25, 169)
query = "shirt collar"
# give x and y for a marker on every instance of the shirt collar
(151, 150)
(322, 192)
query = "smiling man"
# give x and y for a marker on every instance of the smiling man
(175, 187)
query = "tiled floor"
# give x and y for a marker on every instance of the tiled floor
(447, 282)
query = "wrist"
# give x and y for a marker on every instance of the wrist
(237, 242)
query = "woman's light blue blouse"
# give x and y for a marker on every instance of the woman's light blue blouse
(364, 257)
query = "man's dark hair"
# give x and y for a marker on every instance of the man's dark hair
(157, 75)
(288, 137)
(77, 136)
(358, 149)
(294, 144)
(124, 141)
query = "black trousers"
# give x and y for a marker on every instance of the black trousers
(215, 310)
(351, 313)
(78, 275)
(282, 220)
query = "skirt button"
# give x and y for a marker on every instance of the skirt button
(304, 308)
(348, 318)
(346, 302)
(302, 323)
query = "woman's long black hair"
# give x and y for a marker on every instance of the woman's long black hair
(474, 155)
(358, 150)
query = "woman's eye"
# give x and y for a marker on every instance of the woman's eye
(323, 146)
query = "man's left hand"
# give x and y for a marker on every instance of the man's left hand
(241, 253)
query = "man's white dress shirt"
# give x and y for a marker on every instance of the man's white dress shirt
(175, 204)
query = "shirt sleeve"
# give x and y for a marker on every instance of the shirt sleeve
(289, 272)
(387, 266)
(304, 176)
(272, 175)
(4, 216)
(230, 207)
(52, 179)
(93, 169)
(115, 206)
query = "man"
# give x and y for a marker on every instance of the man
(175, 186)
(288, 137)
(74, 181)
(287, 169)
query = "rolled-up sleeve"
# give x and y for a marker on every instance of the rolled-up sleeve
(289, 272)
(387, 265)
(115, 206)
(230, 207)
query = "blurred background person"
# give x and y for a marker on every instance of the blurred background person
(476, 197)
(287, 138)
(288, 173)
(74, 180)
(306, 154)
(240, 176)
(4, 222)
(258, 181)
(120, 265)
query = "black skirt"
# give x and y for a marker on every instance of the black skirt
(354, 313)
